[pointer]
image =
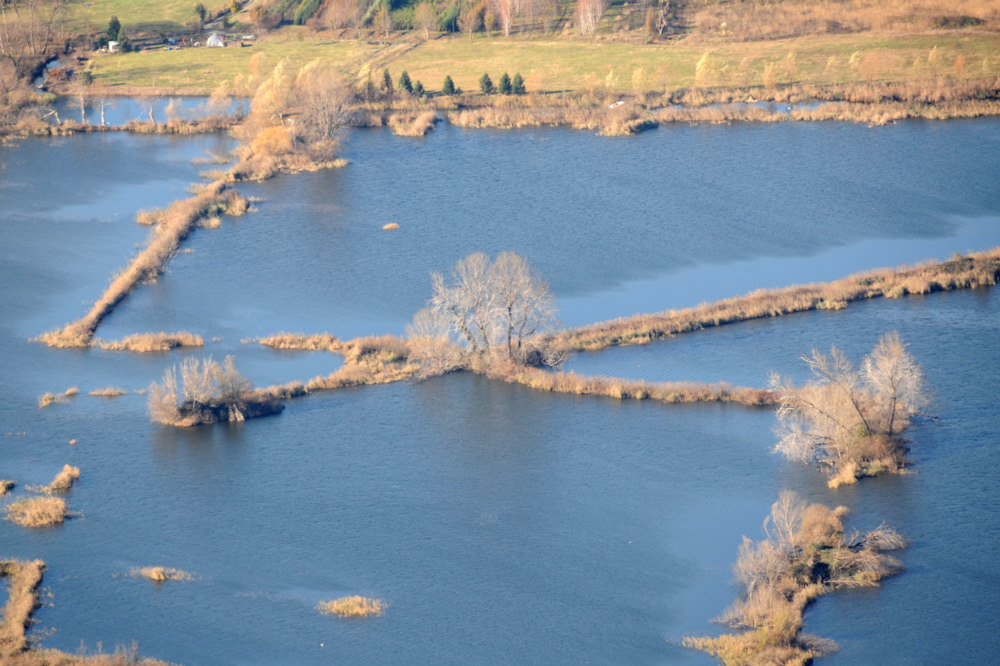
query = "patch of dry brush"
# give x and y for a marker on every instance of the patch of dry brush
(37, 511)
(805, 555)
(960, 272)
(160, 574)
(153, 342)
(352, 607)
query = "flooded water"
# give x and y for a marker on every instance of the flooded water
(500, 525)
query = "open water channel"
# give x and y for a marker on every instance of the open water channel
(500, 525)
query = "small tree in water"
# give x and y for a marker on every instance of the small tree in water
(849, 418)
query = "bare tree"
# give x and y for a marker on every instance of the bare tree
(425, 18)
(323, 98)
(588, 14)
(491, 308)
(505, 11)
(30, 32)
(470, 18)
(847, 418)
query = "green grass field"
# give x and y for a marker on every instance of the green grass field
(575, 65)
(166, 16)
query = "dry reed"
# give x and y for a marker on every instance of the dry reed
(153, 342)
(352, 606)
(23, 579)
(959, 272)
(160, 574)
(64, 480)
(37, 511)
(108, 392)
(6, 485)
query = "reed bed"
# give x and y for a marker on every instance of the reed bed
(108, 392)
(806, 555)
(64, 480)
(160, 574)
(6, 485)
(23, 579)
(413, 124)
(302, 342)
(354, 606)
(145, 343)
(960, 272)
(626, 389)
(37, 511)
(178, 220)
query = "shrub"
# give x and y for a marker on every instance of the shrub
(352, 606)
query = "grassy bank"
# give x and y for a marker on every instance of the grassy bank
(960, 272)
(176, 222)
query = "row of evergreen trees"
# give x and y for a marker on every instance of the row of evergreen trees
(505, 86)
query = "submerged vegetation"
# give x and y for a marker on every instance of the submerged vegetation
(806, 554)
(207, 392)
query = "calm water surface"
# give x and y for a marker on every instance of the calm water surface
(500, 525)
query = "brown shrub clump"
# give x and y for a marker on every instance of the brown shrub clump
(805, 555)
(37, 511)
(352, 606)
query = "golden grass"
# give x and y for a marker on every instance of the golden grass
(960, 272)
(625, 389)
(64, 480)
(47, 399)
(178, 220)
(37, 511)
(72, 392)
(153, 342)
(413, 123)
(804, 556)
(352, 606)
(23, 579)
(299, 341)
(6, 485)
(391, 226)
(160, 574)
(108, 392)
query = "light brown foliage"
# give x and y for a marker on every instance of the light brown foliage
(805, 556)
(64, 479)
(153, 342)
(160, 574)
(352, 607)
(37, 511)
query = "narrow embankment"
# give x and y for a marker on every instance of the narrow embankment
(960, 272)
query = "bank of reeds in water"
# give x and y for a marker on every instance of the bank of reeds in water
(302, 342)
(108, 392)
(6, 485)
(153, 342)
(960, 272)
(37, 511)
(160, 574)
(177, 221)
(413, 124)
(23, 579)
(354, 606)
(64, 480)
(47, 399)
(806, 554)
(626, 389)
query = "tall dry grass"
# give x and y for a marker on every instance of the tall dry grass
(352, 607)
(64, 480)
(6, 485)
(160, 574)
(626, 389)
(23, 579)
(153, 342)
(960, 272)
(804, 555)
(37, 511)
(177, 221)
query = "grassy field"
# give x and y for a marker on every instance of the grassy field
(552, 65)
(166, 16)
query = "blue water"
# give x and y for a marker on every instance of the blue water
(499, 524)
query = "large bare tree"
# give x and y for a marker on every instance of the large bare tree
(30, 32)
(491, 308)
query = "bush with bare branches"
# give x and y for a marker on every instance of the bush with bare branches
(849, 418)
